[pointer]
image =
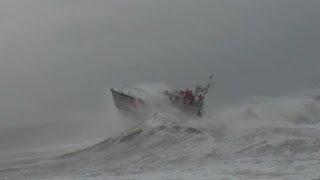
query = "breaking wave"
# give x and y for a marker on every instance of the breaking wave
(274, 128)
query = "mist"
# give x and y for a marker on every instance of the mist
(58, 57)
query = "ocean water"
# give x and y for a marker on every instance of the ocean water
(267, 138)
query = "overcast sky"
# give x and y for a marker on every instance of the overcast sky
(57, 56)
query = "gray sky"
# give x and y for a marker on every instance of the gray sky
(56, 57)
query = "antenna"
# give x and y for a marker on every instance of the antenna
(210, 83)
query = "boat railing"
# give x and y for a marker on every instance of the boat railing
(131, 90)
